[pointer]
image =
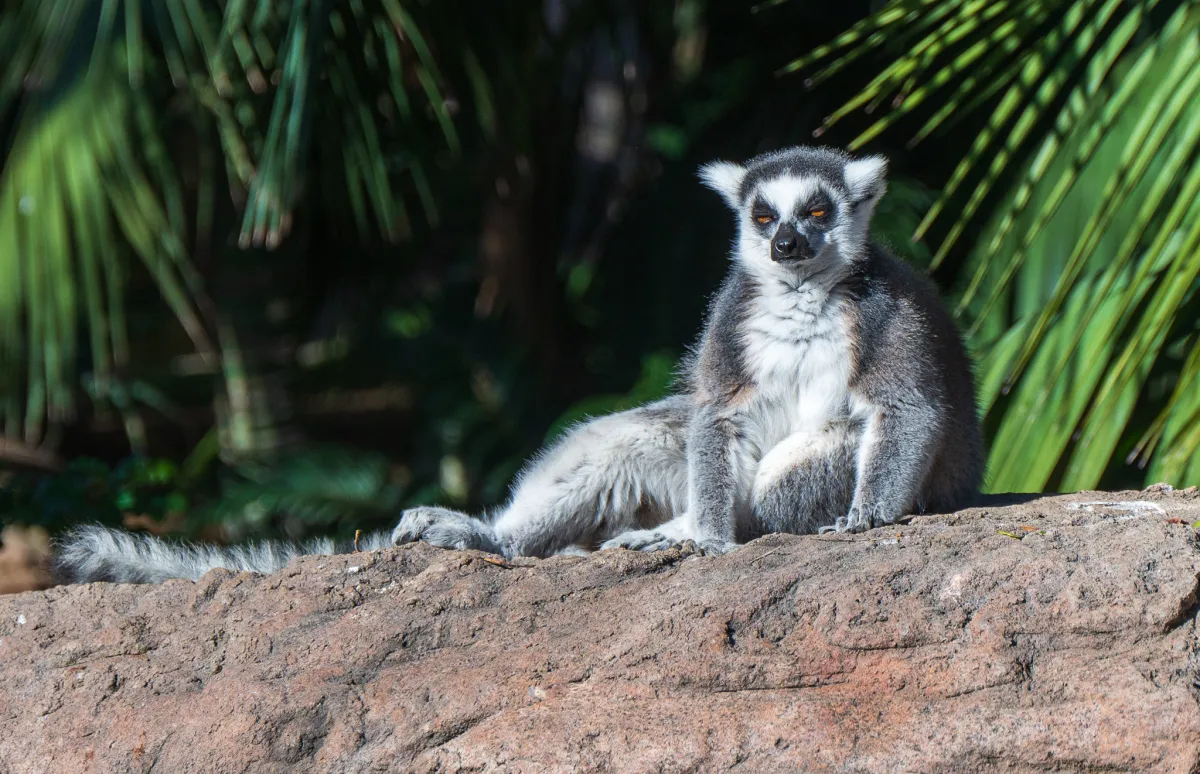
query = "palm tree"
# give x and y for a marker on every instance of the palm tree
(1071, 215)
(143, 127)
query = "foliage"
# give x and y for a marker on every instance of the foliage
(88, 490)
(317, 489)
(335, 258)
(1080, 189)
(90, 170)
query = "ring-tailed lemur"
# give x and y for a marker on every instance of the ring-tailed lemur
(829, 391)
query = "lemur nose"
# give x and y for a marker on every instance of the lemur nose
(786, 246)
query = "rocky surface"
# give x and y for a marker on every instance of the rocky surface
(24, 559)
(1057, 634)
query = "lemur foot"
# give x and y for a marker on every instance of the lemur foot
(653, 540)
(641, 540)
(444, 528)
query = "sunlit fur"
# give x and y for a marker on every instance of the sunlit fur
(93, 553)
(828, 391)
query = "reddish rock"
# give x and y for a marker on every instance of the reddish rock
(1044, 636)
(24, 559)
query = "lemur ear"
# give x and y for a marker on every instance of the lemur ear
(866, 177)
(725, 178)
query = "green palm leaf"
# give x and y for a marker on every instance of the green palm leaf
(90, 178)
(1080, 186)
(61, 194)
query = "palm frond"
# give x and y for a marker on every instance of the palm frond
(1081, 185)
(311, 490)
(71, 194)
(89, 176)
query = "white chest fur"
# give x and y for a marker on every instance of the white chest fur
(798, 353)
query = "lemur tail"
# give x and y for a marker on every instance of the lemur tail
(95, 553)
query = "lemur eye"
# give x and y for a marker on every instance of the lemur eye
(817, 213)
(764, 219)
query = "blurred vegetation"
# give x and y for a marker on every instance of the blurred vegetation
(285, 267)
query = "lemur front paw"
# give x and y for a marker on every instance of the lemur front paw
(716, 547)
(444, 528)
(841, 525)
(858, 520)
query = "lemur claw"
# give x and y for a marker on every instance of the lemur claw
(716, 547)
(851, 524)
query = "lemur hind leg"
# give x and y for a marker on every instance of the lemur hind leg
(604, 477)
(804, 483)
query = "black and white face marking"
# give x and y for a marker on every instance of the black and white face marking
(800, 209)
(794, 216)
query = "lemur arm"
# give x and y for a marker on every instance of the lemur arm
(894, 457)
(715, 486)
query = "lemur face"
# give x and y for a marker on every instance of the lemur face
(800, 210)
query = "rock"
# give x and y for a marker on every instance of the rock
(1050, 634)
(24, 559)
